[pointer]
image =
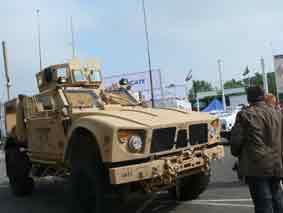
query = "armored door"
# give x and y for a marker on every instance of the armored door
(46, 135)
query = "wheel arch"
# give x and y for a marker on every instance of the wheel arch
(73, 138)
(100, 130)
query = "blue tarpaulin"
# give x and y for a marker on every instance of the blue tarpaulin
(214, 105)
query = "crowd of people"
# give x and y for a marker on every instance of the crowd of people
(257, 141)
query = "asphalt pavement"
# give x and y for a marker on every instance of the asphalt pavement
(224, 194)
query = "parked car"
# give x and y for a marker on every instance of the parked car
(227, 120)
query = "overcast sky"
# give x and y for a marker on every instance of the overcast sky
(184, 35)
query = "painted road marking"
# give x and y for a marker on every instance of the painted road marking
(220, 204)
(227, 200)
(223, 202)
(209, 202)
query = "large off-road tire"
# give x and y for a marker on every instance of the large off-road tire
(190, 187)
(89, 183)
(18, 169)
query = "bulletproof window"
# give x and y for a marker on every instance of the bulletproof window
(95, 75)
(62, 72)
(62, 75)
(79, 75)
(81, 98)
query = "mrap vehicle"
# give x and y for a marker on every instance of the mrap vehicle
(105, 141)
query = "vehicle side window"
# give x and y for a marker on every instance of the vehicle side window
(62, 72)
(62, 75)
(95, 75)
(45, 102)
(79, 75)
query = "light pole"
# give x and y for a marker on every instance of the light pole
(8, 80)
(219, 61)
(73, 38)
(187, 81)
(148, 52)
(39, 39)
(264, 77)
(1, 123)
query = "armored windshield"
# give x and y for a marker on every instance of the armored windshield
(81, 98)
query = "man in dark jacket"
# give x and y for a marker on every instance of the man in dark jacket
(256, 140)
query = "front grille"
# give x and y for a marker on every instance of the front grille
(162, 139)
(182, 139)
(198, 134)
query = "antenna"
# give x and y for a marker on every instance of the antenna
(73, 37)
(8, 85)
(39, 39)
(148, 52)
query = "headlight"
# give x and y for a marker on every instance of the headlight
(135, 143)
(133, 140)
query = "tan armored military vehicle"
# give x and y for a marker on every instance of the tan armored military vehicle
(105, 140)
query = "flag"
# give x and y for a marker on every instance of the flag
(189, 76)
(246, 72)
(170, 86)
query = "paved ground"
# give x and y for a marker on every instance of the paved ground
(2, 166)
(224, 194)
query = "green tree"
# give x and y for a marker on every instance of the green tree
(200, 86)
(233, 84)
(271, 83)
(257, 80)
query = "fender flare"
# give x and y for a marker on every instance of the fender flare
(94, 128)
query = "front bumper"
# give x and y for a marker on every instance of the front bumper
(183, 163)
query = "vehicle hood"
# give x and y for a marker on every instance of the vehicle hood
(149, 117)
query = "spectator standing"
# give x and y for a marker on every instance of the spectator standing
(256, 140)
(270, 99)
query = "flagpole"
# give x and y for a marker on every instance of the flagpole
(264, 77)
(73, 37)
(219, 61)
(148, 53)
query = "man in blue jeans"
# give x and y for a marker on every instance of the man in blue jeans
(256, 139)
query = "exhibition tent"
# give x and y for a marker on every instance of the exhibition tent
(214, 105)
